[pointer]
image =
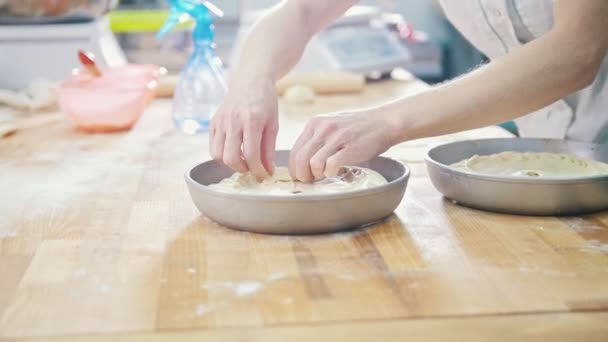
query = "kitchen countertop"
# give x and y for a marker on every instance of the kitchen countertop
(99, 239)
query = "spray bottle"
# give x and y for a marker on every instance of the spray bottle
(202, 85)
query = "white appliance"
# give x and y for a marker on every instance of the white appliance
(49, 51)
(356, 42)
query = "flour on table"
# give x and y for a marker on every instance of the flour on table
(349, 179)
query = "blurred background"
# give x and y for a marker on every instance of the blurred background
(440, 54)
(39, 38)
(438, 51)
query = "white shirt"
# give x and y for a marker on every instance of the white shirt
(496, 27)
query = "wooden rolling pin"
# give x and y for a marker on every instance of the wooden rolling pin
(321, 83)
(166, 85)
(324, 83)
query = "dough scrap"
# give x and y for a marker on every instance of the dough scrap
(39, 95)
(7, 129)
(299, 94)
(532, 165)
(349, 179)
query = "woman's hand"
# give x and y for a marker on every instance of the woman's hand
(331, 141)
(244, 129)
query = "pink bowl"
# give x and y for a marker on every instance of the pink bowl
(110, 103)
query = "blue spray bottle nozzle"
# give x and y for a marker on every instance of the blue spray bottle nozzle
(201, 85)
(198, 10)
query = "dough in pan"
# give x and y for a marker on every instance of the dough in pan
(533, 164)
(349, 179)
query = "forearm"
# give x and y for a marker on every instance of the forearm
(528, 79)
(277, 41)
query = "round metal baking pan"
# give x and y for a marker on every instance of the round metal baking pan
(301, 213)
(516, 195)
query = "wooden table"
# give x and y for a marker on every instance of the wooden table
(99, 241)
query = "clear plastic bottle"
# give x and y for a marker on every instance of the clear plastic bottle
(202, 85)
(199, 91)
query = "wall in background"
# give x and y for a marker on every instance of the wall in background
(425, 15)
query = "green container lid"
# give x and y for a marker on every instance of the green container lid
(126, 21)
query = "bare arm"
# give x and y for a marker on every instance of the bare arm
(561, 62)
(244, 130)
(277, 41)
(564, 60)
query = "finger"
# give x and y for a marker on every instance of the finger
(269, 140)
(211, 135)
(305, 136)
(310, 148)
(336, 161)
(319, 159)
(213, 129)
(252, 148)
(232, 151)
(216, 148)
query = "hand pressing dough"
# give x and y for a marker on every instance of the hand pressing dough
(299, 94)
(533, 165)
(349, 179)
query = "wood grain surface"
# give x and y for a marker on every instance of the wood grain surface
(98, 236)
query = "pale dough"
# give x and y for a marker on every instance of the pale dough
(38, 95)
(349, 179)
(7, 129)
(299, 94)
(533, 164)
